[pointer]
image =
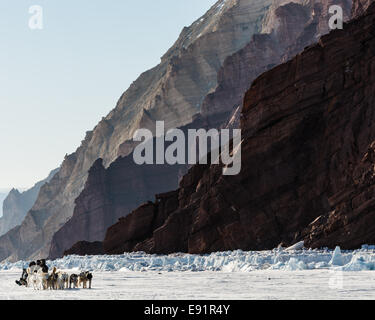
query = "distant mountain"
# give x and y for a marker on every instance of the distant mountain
(2, 198)
(16, 204)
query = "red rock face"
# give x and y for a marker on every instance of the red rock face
(299, 26)
(140, 224)
(359, 7)
(95, 210)
(307, 162)
(112, 193)
(86, 248)
(350, 222)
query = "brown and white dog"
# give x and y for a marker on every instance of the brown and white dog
(52, 279)
(62, 280)
(37, 275)
(42, 279)
(83, 278)
(33, 278)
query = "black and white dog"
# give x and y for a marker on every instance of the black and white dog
(73, 280)
(34, 274)
(83, 278)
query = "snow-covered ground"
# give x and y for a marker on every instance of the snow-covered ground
(208, 285)
(293, 273)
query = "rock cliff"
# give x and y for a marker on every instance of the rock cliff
(359, 7)
(290, 26)
(173, 91)
(308, 157)
(112, 193)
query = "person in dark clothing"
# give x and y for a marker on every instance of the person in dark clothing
(23, 280)
(44, 266)
(32, 265)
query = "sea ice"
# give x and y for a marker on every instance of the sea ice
(290, 259)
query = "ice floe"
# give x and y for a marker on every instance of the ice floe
(289, 259)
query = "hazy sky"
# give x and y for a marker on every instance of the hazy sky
(57, 83)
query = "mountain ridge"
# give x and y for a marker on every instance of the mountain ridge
(185, 220)
(308, 159)
(287, 22)
(172, 91)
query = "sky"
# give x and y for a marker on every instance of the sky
(57, 82)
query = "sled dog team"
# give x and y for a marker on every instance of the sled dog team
(38, 277)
